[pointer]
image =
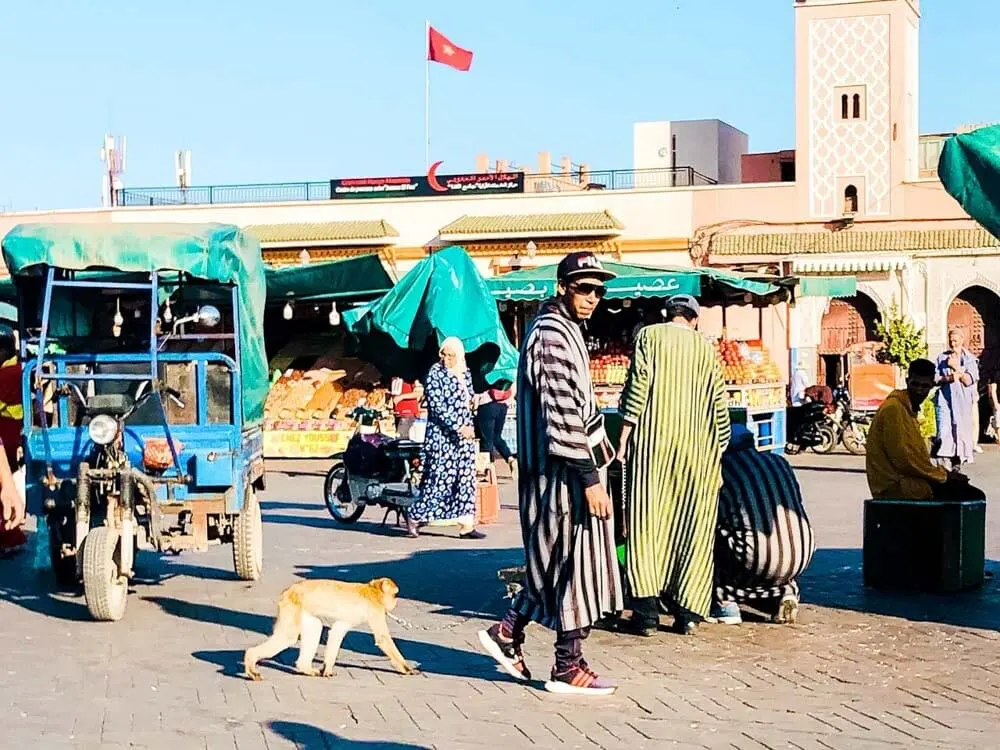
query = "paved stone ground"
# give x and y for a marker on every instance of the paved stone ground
(860, 670)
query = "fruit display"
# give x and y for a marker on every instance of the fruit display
(610, 365)
(746, 363)
(756, 397)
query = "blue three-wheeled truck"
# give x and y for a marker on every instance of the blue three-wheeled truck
(144, 386)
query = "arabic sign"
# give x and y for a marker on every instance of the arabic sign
(428, 185)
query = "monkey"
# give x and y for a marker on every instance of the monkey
(302, 608)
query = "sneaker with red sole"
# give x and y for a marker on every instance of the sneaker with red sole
(580, 680)
(507, 652)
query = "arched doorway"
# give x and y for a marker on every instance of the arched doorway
(976, 312)
(846, 324)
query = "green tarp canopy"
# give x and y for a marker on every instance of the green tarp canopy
(353, 278)
(710, 285)
(442, 296)
(827, 286)
(970, 171)
(211, 252)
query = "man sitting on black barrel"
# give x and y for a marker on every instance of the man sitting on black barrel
(898, 461)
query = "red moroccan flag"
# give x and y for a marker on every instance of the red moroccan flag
(441, 50)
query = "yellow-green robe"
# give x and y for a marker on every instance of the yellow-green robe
(675, 398)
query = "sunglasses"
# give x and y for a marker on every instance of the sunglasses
(585, 290)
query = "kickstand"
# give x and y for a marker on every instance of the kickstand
(385, 518)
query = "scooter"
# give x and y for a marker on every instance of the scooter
(375, 470)
(809, 427)
(850, 426)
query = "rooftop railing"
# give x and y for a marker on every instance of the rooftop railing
(283, 192)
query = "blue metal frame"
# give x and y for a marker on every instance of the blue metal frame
(243, 446)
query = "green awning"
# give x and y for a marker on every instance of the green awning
(828, 286)
(442, 296)
(362, 277)
(969, 169)
(218, 253)
(632, 281)
(711, 285)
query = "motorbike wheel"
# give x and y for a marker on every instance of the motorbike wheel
(828, 439)
(105, 590)
(248, 539)
(61, 527)
(333, 494)
(854, 441)
(792, 449)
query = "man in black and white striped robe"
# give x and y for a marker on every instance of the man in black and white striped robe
(572, 578)
(763, 540)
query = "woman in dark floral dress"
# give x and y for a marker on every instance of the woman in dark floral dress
(448, 488)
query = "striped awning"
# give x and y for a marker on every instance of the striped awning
(870, 264)
(502, 226)
(324, 233)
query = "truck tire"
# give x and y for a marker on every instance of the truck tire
(105, 590)
(248, 539)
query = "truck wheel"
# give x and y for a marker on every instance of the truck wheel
(61, 528)
(337, 497)
(105, 590)
(248, 539)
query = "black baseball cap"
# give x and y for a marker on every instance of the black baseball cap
(582, 264)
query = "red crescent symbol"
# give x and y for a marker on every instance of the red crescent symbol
(432, 179)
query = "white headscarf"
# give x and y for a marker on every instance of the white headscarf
(453, 345)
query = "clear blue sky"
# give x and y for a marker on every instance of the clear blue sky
(267, 90)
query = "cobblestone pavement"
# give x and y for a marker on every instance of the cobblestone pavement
(859, 671)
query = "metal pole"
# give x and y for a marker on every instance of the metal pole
(427, 95)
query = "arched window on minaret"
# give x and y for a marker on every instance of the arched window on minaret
(844, 107)
(857, 107)
(851, 200)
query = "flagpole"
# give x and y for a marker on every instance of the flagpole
(427, 96)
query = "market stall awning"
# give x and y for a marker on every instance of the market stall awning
(632, 281)
(852, 264)
(442, 296)
(851, 240)
(363, 277)
(711, 285)
(827, 286)
(969, 169)
(501, 226)
(324, 234)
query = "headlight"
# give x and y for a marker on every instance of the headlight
(102, 429)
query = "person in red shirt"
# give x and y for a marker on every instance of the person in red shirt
(405, 405)
(11, 417)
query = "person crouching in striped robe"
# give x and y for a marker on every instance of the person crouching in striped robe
(763, 540)
(571, 578)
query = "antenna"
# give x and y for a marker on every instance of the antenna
(182, 168)
(113, 156)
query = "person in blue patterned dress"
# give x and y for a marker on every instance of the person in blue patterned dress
(448, 487)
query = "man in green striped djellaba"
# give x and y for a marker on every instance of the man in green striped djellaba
(676, 427)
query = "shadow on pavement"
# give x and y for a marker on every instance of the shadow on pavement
(432, 658)
(327, 522)
(834, 580)
(283, 505)
(461, 582)
(36, 592)
(314, 738)
(830, 469)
